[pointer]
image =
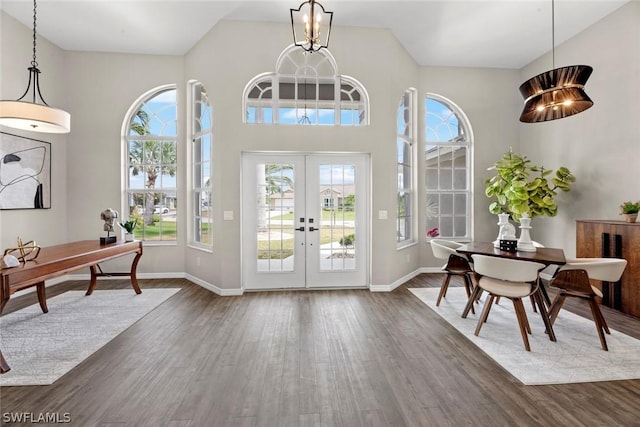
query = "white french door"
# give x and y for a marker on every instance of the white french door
(305, 221)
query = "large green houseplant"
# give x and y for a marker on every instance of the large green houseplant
(518, 187)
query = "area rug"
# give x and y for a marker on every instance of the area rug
(40, 348)
(576, 357)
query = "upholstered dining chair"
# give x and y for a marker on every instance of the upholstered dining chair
(572, 280)
(457, 265)
(507, 278)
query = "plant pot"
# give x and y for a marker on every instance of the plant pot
(128, 237)
(631, 217)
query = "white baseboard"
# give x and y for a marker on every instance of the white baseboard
(214, 288)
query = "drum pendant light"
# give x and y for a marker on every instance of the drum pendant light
(557, 93)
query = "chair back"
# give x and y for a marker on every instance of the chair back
(606, 269)
(506, 269)
(443, 248)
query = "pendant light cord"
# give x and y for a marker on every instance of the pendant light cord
(553, 35)
(34, 62)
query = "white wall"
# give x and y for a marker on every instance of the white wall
(226, 59)
(601, 146)
(45, 226)
(489, 98)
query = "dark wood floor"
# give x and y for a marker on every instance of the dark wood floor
(298, 358)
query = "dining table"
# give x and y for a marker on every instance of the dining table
(542, 255)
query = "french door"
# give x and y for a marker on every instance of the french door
(305, 221)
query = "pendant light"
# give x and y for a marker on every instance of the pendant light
(312, 28)
(557, 93)
(33, 115)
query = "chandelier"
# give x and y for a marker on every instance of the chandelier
(311, 26)
(30, 114)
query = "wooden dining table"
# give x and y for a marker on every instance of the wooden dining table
(546, 256)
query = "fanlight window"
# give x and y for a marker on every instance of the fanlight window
(447, 169)
(305, 89)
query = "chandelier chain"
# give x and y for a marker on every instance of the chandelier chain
(34, 62)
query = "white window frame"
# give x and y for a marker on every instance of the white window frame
(293, 66)
(406, 133)
(200, 183)
(465, 141)
(126, 138)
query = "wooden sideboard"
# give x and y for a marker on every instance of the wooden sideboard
(615, 239)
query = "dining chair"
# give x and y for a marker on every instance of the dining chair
(511, 279)
(573, 280)
(457, 265)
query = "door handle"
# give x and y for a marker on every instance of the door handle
(313, 229)
(300, 229)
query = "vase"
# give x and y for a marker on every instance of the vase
(630, 217)
(524, 242)
(506, 232)
(128, 237)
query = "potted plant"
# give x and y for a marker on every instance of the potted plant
(630, 210)
(521, 188)
(525, 191)
(129, 226)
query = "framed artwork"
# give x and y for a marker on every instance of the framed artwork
(25, 173)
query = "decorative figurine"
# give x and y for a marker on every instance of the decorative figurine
(108, 216)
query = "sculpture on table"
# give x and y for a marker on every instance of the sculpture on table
(108, 216)
(22, 253)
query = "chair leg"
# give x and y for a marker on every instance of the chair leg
(485, 313)
(523, 322)
(533, 304)
(556, 305)
(468, 287)
(602, 321)
(443, 288)
(595, 311)
(475, 295)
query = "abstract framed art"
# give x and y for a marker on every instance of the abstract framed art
(25, 173)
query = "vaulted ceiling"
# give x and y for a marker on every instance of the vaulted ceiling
(472, 33)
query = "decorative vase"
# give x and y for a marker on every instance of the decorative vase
(506, 232)
(128, 237)
(524, 242)
(631, 217)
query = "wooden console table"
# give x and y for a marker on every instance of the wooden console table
(55, 261)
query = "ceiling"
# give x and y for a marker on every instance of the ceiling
(472, 33)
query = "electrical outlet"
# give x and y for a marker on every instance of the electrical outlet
(198, 261)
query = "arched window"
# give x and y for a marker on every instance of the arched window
(447, 169)
(406, 153)
(201, 137)
(150, 166)
(305, 89)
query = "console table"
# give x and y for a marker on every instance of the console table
(55, 261)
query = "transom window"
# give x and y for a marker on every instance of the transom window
(447, 169)
(151, 165)
(405, 146)
(305, 89)
(201, 135)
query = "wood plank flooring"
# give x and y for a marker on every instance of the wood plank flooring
(308, 358)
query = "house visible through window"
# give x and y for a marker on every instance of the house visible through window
(447, 170)
(151, 165)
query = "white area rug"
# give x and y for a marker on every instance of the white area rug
(576, 356)
(41, 347)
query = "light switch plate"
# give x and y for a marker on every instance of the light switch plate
(383, 215)
(228, 215)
